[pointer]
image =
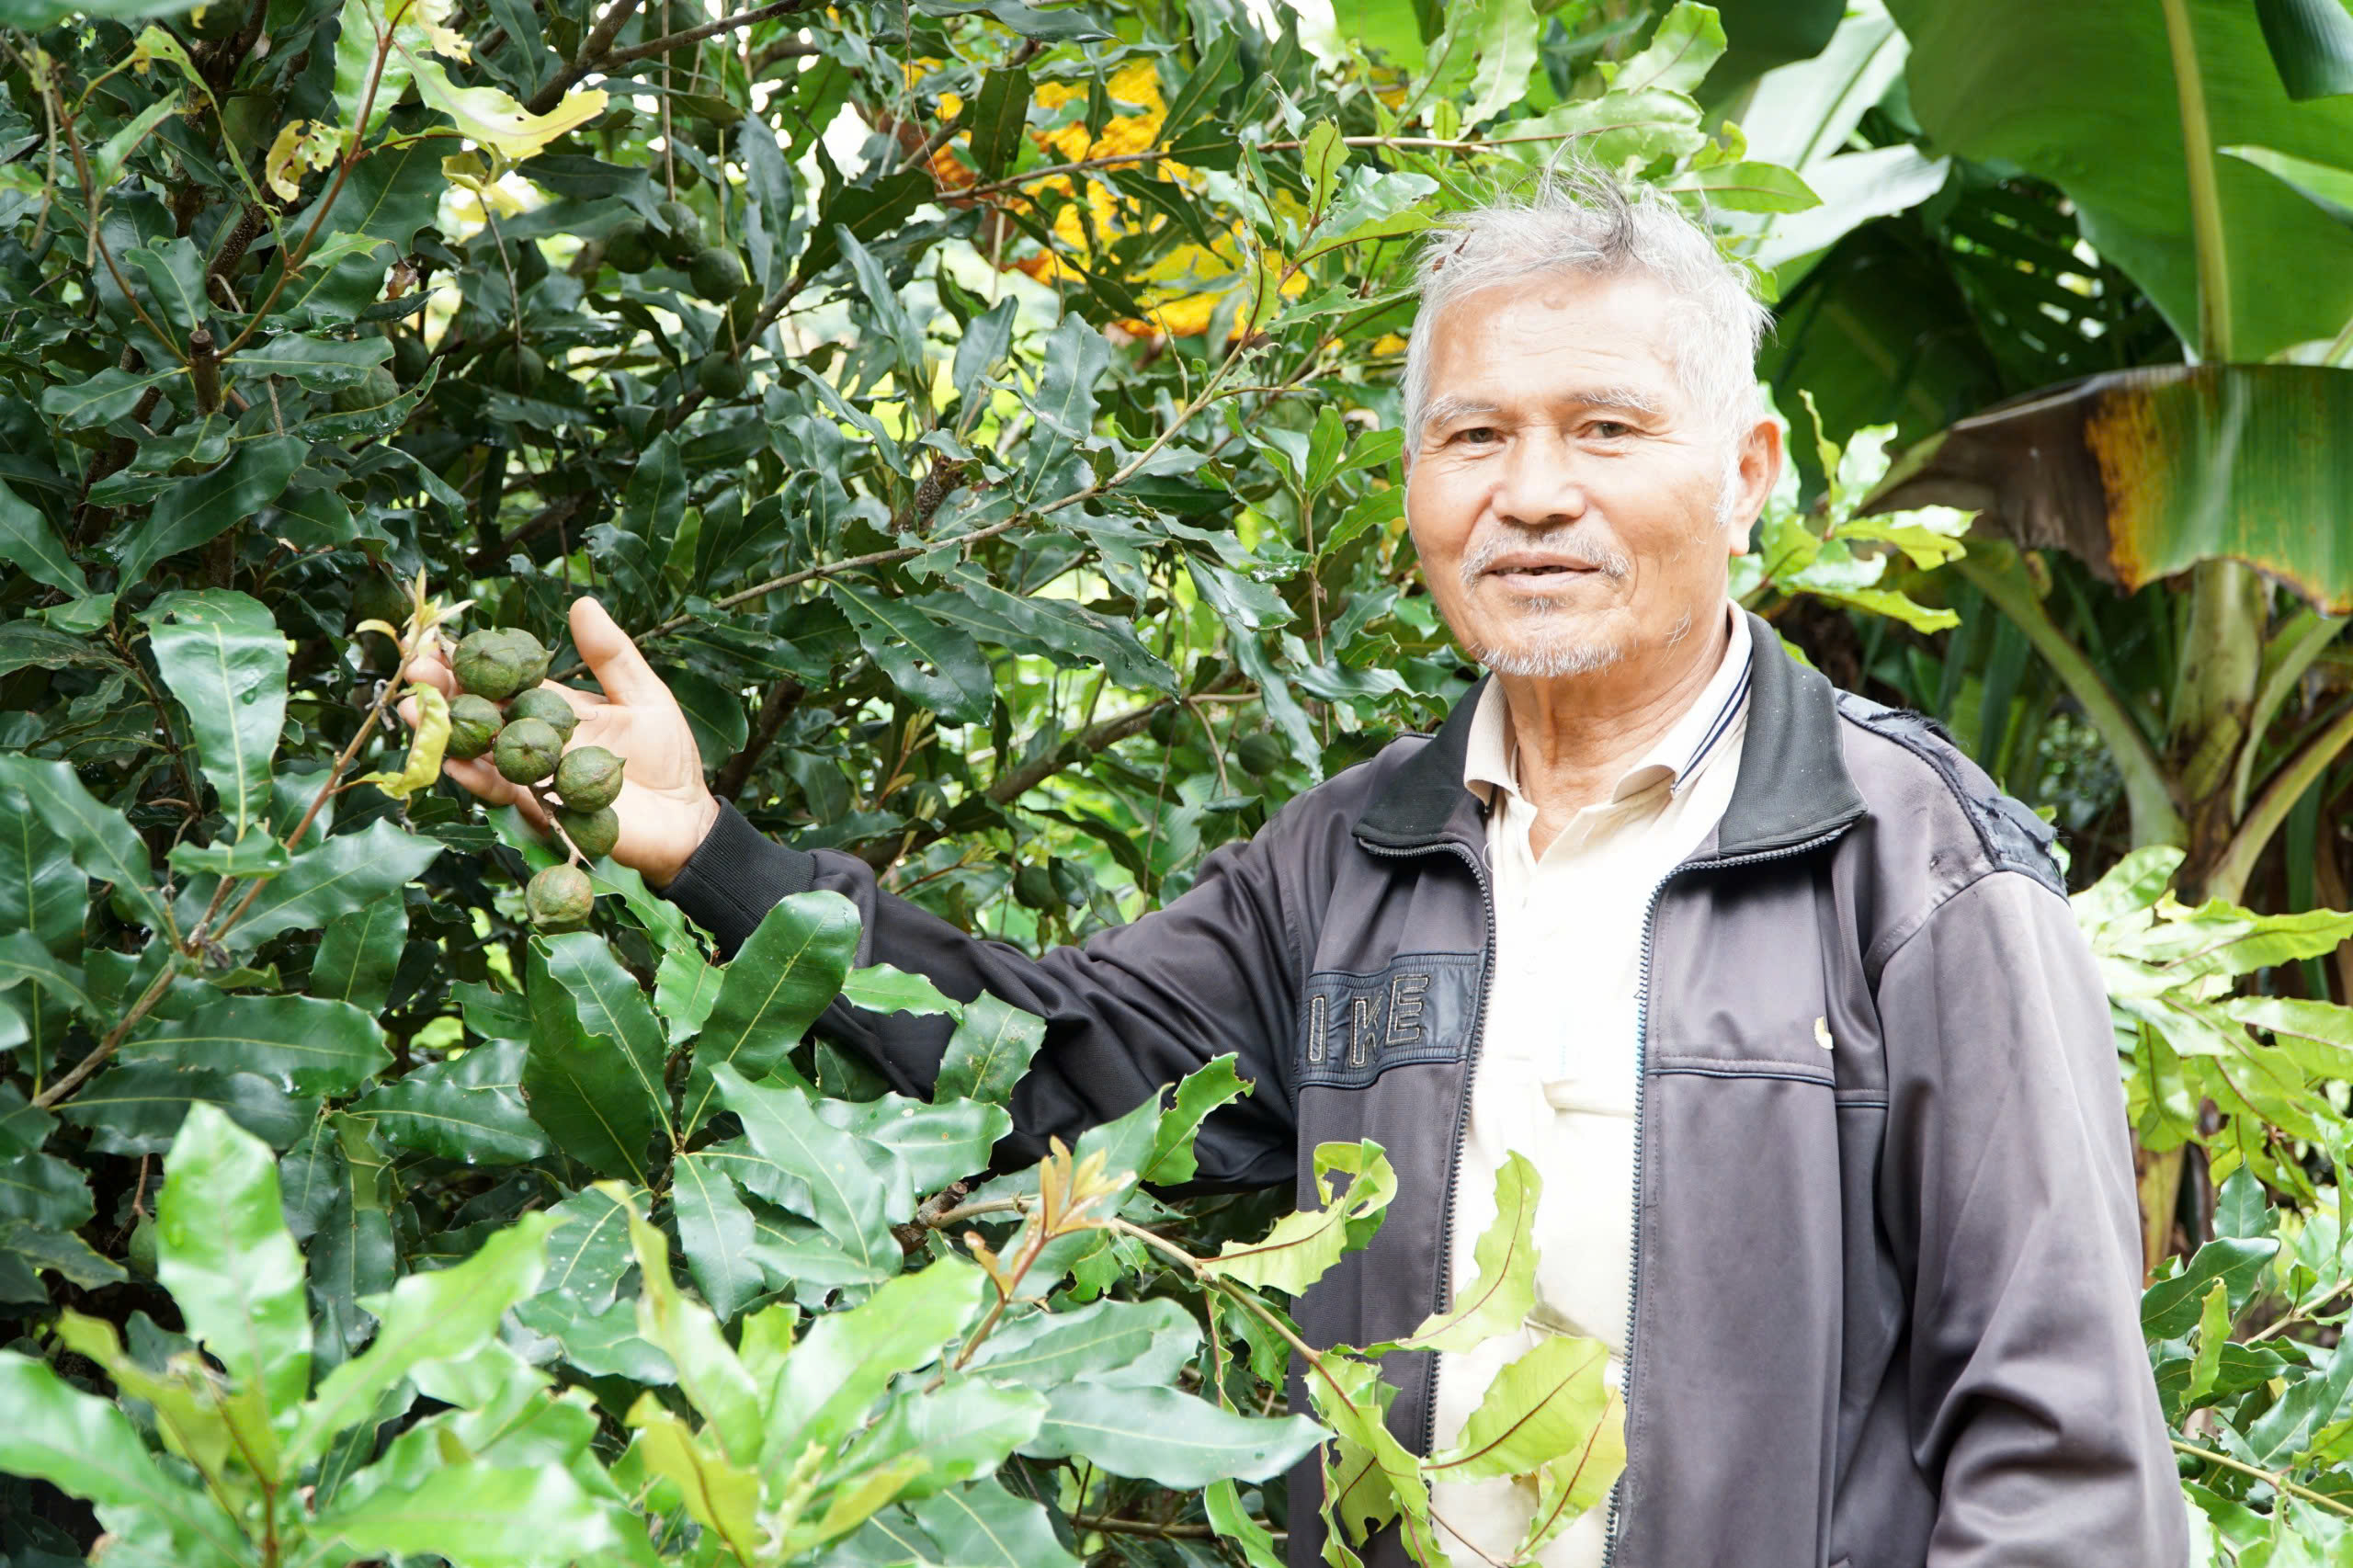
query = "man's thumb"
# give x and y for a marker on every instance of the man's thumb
(618, 668)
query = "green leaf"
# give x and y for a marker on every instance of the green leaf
(939, 667)
(1302, 1244)
(322, 363)
(1204, 1089)
(138, 1108)
(346, 872)
(685, 985)
(427, 1317)
(1167, 1436)
(986, 1526)
(44, 1190)
(1499, 1298)
(595, 1104)
(96, 839)
(1507, 54)
(848, 1195)
(224, 658)
(2083, 96)
(2327, 187)
(999, 114)
(709, 1372)
(2170, 1307)
(1547, 1404)
(1689, 40)
(715, 1231)
(354, 1255)
(796, 1255)
(194, 510)
(2311, 43)
(934, 1144)
(1108, 1341)
(2214, 1334)
(360, 951)
(87, 1447)
(33, 546)
(1222, 1501)
(43, 894)
(481, 1516)
(847, 1358)
(23, 957)
(223, 1250)
(880, 988)
(1067, 632)
(468, 1107)
(1326, 154)
(1749, 186)
(722, 1497)
(612, 1011)
(492, 119)
(989, 1051)
(318, 1046)
(111, 394)
(1076, 356)
(783, 976)
(955, 1434)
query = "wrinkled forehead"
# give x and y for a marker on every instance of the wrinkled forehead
(1542, 334)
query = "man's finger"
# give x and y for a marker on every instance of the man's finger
(619, 668)
(429, 670)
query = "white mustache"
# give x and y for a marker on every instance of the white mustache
(1567, 548)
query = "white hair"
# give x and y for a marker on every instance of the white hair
(1583, 222)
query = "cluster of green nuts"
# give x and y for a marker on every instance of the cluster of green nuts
(522, 726)
(714, 271)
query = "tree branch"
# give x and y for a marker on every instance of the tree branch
(686, 36)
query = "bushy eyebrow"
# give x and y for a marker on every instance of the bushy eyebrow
(1444, 409)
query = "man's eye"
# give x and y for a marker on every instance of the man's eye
(1476, 434)
(1610, 429)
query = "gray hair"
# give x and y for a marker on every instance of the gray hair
(1582, 222)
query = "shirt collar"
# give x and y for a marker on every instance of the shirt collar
(1489, 762)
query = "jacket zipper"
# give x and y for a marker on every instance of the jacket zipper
(1462, 1111)
(1642, 1053)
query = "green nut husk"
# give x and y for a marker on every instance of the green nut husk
(684, 237)
(1033, 888)
(630, 248)
(593, 833)
(526, 751)
(721, 374)
(499, 661)
(588, 778)
(474, 724)
(560, 899)
(716, 274)
(517, 370)
(1259, 755)
(545, 703)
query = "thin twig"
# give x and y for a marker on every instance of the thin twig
(2278, 1483)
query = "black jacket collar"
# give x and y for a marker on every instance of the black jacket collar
(1793, 784)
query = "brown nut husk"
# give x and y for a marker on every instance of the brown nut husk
(588, 778)
(526, 751)
(489, 664)
(474, 724)
(593, 832)
(546, 704)
(560, 899)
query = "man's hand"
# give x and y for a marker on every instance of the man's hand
(666, 809)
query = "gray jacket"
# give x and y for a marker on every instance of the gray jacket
(1886, 1295)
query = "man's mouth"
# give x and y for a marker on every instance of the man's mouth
(1539, 575)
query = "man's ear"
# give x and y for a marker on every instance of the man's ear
(1761, 457)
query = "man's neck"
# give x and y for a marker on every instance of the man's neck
(1574, 736)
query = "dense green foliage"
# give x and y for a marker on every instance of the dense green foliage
(984, 416)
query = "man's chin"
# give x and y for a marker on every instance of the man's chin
(1554, 657)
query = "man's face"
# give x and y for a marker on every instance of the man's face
(1566, 494)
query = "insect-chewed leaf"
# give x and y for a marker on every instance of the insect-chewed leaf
(1544, 1406)
(1498, 1298)
(1302, 1244)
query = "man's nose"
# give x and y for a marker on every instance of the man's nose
(1539, 484)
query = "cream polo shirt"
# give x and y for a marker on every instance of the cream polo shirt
(1555, 1077)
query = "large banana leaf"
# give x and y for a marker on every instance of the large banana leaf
(1801, 115)
(2142, 473)
(2083, 94)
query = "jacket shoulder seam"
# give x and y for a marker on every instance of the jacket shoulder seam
(2010, 837)
(1892, 942)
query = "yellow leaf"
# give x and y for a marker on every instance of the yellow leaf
(300, 144)
(496, 120)
(424, 752)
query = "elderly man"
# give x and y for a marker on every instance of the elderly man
(1779, 995)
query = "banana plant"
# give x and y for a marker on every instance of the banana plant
(2225, 476)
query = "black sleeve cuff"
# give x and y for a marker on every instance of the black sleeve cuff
(736, 877)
